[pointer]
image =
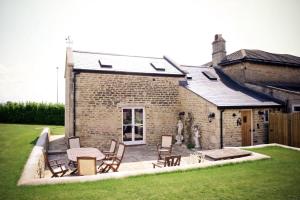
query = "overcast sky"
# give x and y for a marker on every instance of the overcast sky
(33, 32)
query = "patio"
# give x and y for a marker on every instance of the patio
(137, 158)
(137, 161)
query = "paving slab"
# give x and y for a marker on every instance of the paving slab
(222, 154)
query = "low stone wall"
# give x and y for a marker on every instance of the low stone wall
(35, 166)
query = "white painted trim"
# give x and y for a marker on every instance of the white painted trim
(132, 124)
(293, 107)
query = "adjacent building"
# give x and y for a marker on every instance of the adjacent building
(277, 75)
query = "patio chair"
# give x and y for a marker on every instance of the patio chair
(86, 166)
(165, 148)
(112, 150)
(56, 167)
(169, 161)
(74, 142)
(115, 161)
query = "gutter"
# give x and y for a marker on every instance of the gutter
(221, 128)
(74, 101)
(127, 73)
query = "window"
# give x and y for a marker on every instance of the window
(133, 125)
(296, 108)
(266, 116)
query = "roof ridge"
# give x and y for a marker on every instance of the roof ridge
(114, 54)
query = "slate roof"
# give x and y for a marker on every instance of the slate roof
(261, 57)
(224, 92)
(115, 63)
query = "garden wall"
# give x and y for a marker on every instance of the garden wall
(35, 166)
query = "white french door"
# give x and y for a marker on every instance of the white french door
(133, 125)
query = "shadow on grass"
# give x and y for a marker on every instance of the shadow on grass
(33, 142)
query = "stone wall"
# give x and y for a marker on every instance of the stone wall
(69, 94)
(200, 108)
(259, 73)
(101, 97)
(35, 165)
(232, 133)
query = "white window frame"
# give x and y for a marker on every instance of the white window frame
(293, 107)
(132, 124)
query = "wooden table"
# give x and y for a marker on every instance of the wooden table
(79, 152)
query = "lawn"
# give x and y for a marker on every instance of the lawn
(276, 178)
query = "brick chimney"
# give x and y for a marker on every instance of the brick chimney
(219, 49)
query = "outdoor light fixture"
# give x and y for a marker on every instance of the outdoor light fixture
(210, 116)
(233, 115)
(260, 112)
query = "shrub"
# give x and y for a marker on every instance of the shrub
(32, 113)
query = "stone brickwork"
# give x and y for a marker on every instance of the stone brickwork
(101, 97)
(261, 73)
(232, 132)
(200, 108)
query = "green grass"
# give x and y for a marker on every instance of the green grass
(276, 178)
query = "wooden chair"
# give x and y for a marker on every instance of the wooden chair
(56, 167)
(74, 142)
(168, 161)
(165, 148)
(86, 166)
(115, 161)
(112, 150)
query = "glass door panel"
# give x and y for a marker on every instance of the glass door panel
(138, 124)
(127, 125)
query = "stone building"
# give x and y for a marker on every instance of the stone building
(129, 98)
(137, 99)
(277, 75)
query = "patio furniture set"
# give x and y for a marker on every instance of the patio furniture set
(83, 160)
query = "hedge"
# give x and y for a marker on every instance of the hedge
(32, 113)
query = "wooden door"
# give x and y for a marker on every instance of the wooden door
(246, 127)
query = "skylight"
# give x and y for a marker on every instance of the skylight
(209, 75)
(157, 68)
(104, 65)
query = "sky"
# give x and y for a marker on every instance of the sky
(33, 32)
